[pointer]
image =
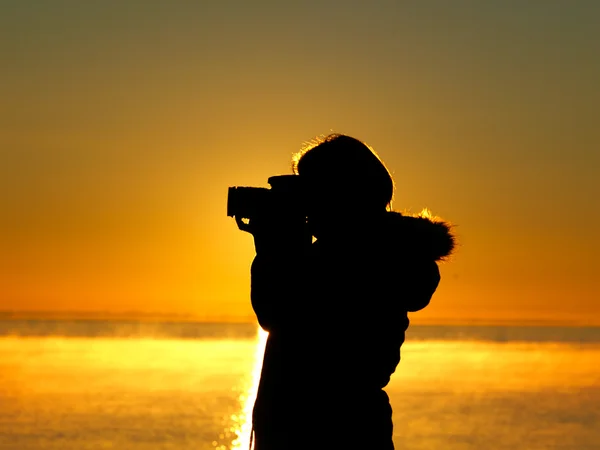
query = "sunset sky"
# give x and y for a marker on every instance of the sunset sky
(122, 123)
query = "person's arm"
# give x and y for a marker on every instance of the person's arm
(422, 280)
(406, 281)
(277, 270)
(274, 288)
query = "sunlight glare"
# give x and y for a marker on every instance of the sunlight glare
(244, 419)
(425, 213)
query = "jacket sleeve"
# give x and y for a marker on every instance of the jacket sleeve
(274, 290)
(422, 279)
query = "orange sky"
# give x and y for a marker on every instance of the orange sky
(123, 123)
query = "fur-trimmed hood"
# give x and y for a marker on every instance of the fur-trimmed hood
(423, 234)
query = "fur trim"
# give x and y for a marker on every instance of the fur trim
(422, 233)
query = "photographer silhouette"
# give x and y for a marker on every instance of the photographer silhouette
(337, 309)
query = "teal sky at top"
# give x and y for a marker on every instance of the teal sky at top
(125, 121)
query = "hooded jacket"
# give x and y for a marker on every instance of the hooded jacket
(337, 316)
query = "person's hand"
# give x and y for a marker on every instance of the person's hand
(244, 226)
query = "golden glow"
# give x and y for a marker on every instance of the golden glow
(113, 180)
(492, 366)
(425, 213)
(244, 419)
(162, 386)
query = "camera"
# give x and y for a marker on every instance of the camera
(285, 197)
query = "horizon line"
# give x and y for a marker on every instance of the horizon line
(138, 316)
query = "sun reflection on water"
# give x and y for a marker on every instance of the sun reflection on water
(140, 393)
(243, 420)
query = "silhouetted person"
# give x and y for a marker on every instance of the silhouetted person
(336, 309)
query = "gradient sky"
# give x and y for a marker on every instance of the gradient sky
(122, 123)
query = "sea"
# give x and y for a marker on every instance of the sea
(91, 384)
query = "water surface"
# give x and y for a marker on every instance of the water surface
(87, 385)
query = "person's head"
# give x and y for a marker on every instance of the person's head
(345, 181)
